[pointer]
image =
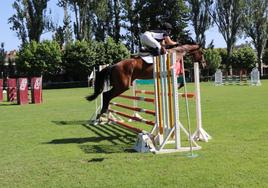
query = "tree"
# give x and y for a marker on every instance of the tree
(244, 58)
(2, 59)
(59, 36)
(213, 59)
(153, 13)
(36, 59)
(107, 19)
(131, 24)
(200, 18)
(227, 16)
(96, 18)
(83, 18)
(18, 21)
(114, 51)
(116, 33)
(265, 56)
(102, 22)
(63, 33)
(79, 58)
(256, 26)
(30, 19)
(2, 52)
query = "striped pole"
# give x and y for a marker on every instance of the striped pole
(187, 109)
(157, 95)
(163, 81)
(137, 109)
(171, 107)
(175, 101)
(189, 95)
(137, 98)
(148, 122)
(133, 129)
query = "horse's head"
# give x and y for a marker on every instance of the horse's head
(193, 50)
(198, 55)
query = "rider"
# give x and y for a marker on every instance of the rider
(155, 40)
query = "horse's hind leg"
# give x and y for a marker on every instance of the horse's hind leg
(106, 98)
(109, 95)
(180, 85)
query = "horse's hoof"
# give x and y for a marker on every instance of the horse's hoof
(96, 122)
(103, 119)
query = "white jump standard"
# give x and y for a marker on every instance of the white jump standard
(200, 133)
(168, 127)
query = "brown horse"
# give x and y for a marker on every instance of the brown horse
(121, 75)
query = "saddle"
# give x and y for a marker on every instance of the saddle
(142, 53)
(147, 52)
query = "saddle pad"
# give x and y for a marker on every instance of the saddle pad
(148, 59)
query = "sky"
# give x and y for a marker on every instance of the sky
(12, 42)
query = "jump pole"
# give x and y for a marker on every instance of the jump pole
(200, 133)
(171, 133)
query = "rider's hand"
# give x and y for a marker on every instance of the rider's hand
(172, 46)
(163, 50)
(176, 45)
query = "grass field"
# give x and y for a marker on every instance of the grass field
(52, 144)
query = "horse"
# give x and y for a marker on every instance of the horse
(121, 75)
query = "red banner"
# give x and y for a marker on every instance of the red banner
(1, 90)
(11, 89)
(36, 87)
(22, 91)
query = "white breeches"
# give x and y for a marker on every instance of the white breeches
(148, 41)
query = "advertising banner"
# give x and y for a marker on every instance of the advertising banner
(22, 91)
(36, 90)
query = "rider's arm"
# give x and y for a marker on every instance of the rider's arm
(169, 42)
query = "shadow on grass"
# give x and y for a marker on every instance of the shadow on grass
(8, 104)
(96, 160)
(71, 122)
(119, 139)
(108, 149)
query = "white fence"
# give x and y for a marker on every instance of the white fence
(237, 80)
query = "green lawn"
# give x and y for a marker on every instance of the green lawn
(52, 144)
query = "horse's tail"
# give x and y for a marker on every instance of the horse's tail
(101, 77)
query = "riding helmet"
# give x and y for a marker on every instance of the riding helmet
(166, 26)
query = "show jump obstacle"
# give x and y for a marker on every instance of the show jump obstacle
(238, 80)
(167, 126)
(17, 90)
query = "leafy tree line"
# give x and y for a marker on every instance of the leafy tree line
(125, 20)
(75, 62)
(78, 59)
(243, 58)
